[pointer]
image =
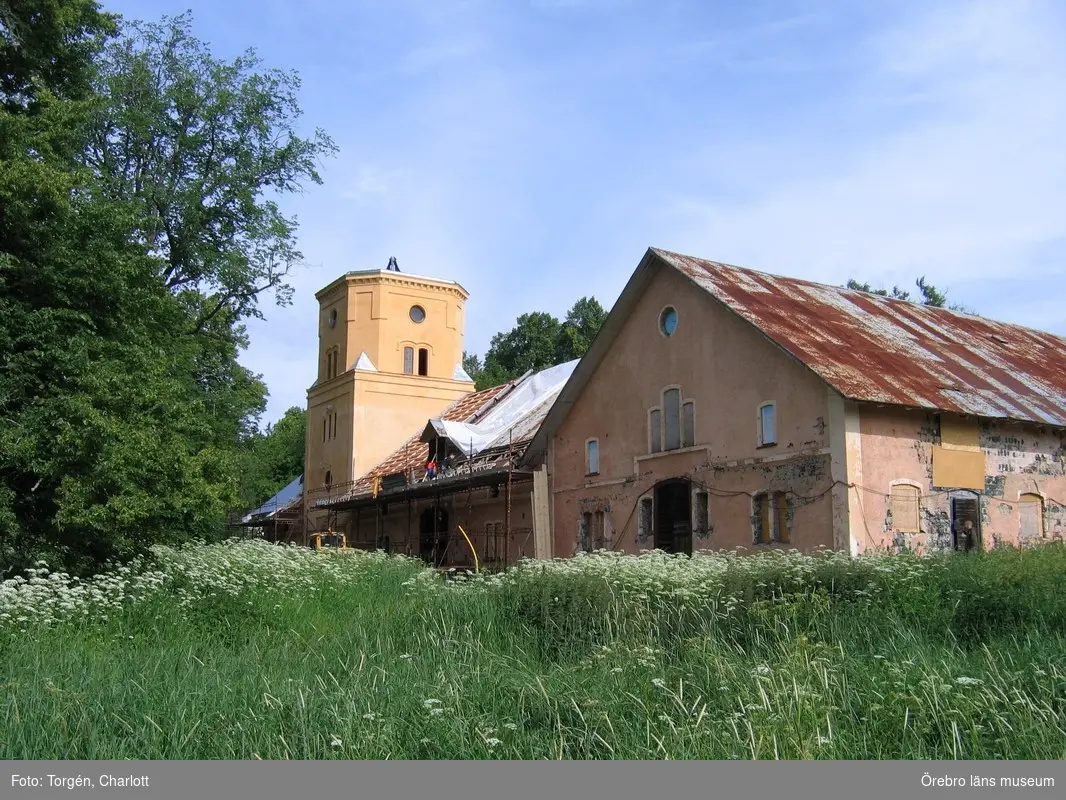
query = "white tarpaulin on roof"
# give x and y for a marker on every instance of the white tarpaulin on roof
(521, 401)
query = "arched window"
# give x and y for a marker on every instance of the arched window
(905, 507)
(672, 419)
(1031, 517)
(408, 361)
(592, 457)
(423, 361)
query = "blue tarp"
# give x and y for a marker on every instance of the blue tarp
(279, 501)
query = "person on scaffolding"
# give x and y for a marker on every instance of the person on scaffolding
(431, 470)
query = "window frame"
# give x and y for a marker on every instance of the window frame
(423, 362)
(779, 503)
(655, 430)
(592, 445)
(893, 485)
(760, 425)
(660, 322)
(761, 512)
(408, 360)
(1041, 507)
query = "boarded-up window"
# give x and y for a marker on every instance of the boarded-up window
(592, 457)
(672, 418)
(655, 421)
(767, 424)
(408, 361)
(1031, 513)
(781, 527)
(905, 508)
(689, 420)
(702, 514)
(644, 525)
(760, 519)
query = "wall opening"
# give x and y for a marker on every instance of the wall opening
(592, 457)
(646, 521)
(673, 522)
(905, 505)
(760, 518)
(672, 418)
(433, 536)
(782, 533)
(965, 522)
(423, 361)
(1031, 517)
(655, 429)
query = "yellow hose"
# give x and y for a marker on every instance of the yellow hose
(477, 564)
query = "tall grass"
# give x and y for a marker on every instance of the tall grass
(246, 651)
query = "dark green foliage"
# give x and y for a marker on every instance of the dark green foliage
(135, 236)
(931, 296)
(537, 342)
(273, 458)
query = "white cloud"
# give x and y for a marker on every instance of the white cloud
(964, 184)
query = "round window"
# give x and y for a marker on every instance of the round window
(333, 318)
(668, 321)
(418, 314)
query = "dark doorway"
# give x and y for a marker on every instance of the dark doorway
(433, 535)
(966, 523)
(673, 517)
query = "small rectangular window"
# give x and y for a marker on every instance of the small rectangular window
(781, 530)
(761, 518)
(689, 420)
(408, 361)
(703, 514)
(672, 417)
(423, 361)
(592, 457)
(767, 424)
(904, 505)
(325, 429)
(655, 423)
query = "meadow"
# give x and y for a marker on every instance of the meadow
(244, 650)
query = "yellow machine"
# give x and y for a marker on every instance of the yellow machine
(328, 540)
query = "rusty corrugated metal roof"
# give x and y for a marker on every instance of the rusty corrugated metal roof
(881, 350)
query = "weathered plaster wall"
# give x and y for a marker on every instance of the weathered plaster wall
(728, 369)
(367, 528)
(899, 445)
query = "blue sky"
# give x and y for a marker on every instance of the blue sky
(532, 150)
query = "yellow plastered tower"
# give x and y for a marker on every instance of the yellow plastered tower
(389, 358)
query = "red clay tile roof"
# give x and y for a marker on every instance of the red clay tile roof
(877, 349)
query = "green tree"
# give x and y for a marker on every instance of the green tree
(200, 146)
(580, 327)
(530, 345)
(273, 458)
(537, 341)
(122, 406)
(931, 296)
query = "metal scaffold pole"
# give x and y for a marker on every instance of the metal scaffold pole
(507, 517)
